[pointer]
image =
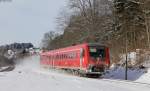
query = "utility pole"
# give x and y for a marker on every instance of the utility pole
(126, 63)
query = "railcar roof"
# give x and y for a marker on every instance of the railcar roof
(73, 47)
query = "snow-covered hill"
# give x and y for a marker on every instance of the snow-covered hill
(28, 76)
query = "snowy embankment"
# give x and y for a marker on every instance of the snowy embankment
(28, 76)
(145, 78)
(136, 74)
(119, 73)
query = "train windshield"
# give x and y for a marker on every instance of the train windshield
(96, 52)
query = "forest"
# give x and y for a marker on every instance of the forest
(122, 25)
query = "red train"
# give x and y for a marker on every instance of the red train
(84, 58)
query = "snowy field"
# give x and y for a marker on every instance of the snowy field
(28, 76)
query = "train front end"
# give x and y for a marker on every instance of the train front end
(98, 59)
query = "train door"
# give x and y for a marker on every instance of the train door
(81, 57)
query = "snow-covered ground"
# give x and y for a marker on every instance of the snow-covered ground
(145, 78)
(133, 74)
(119, 73)
(28, 76)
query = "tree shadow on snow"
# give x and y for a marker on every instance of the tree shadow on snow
(119, 73)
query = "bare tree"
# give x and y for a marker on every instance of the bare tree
(92, 12)
(48, 38)
(146, 9)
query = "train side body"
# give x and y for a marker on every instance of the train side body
(79, 57)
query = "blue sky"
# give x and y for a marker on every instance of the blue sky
(28, 20)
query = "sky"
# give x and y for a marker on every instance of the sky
(28, 20)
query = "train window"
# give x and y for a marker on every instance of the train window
(69, 55)
(57, 57)
(97, 52)
(72, 55)
(65, 56)
(93, 49)
(50, 58)
(61, 56)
